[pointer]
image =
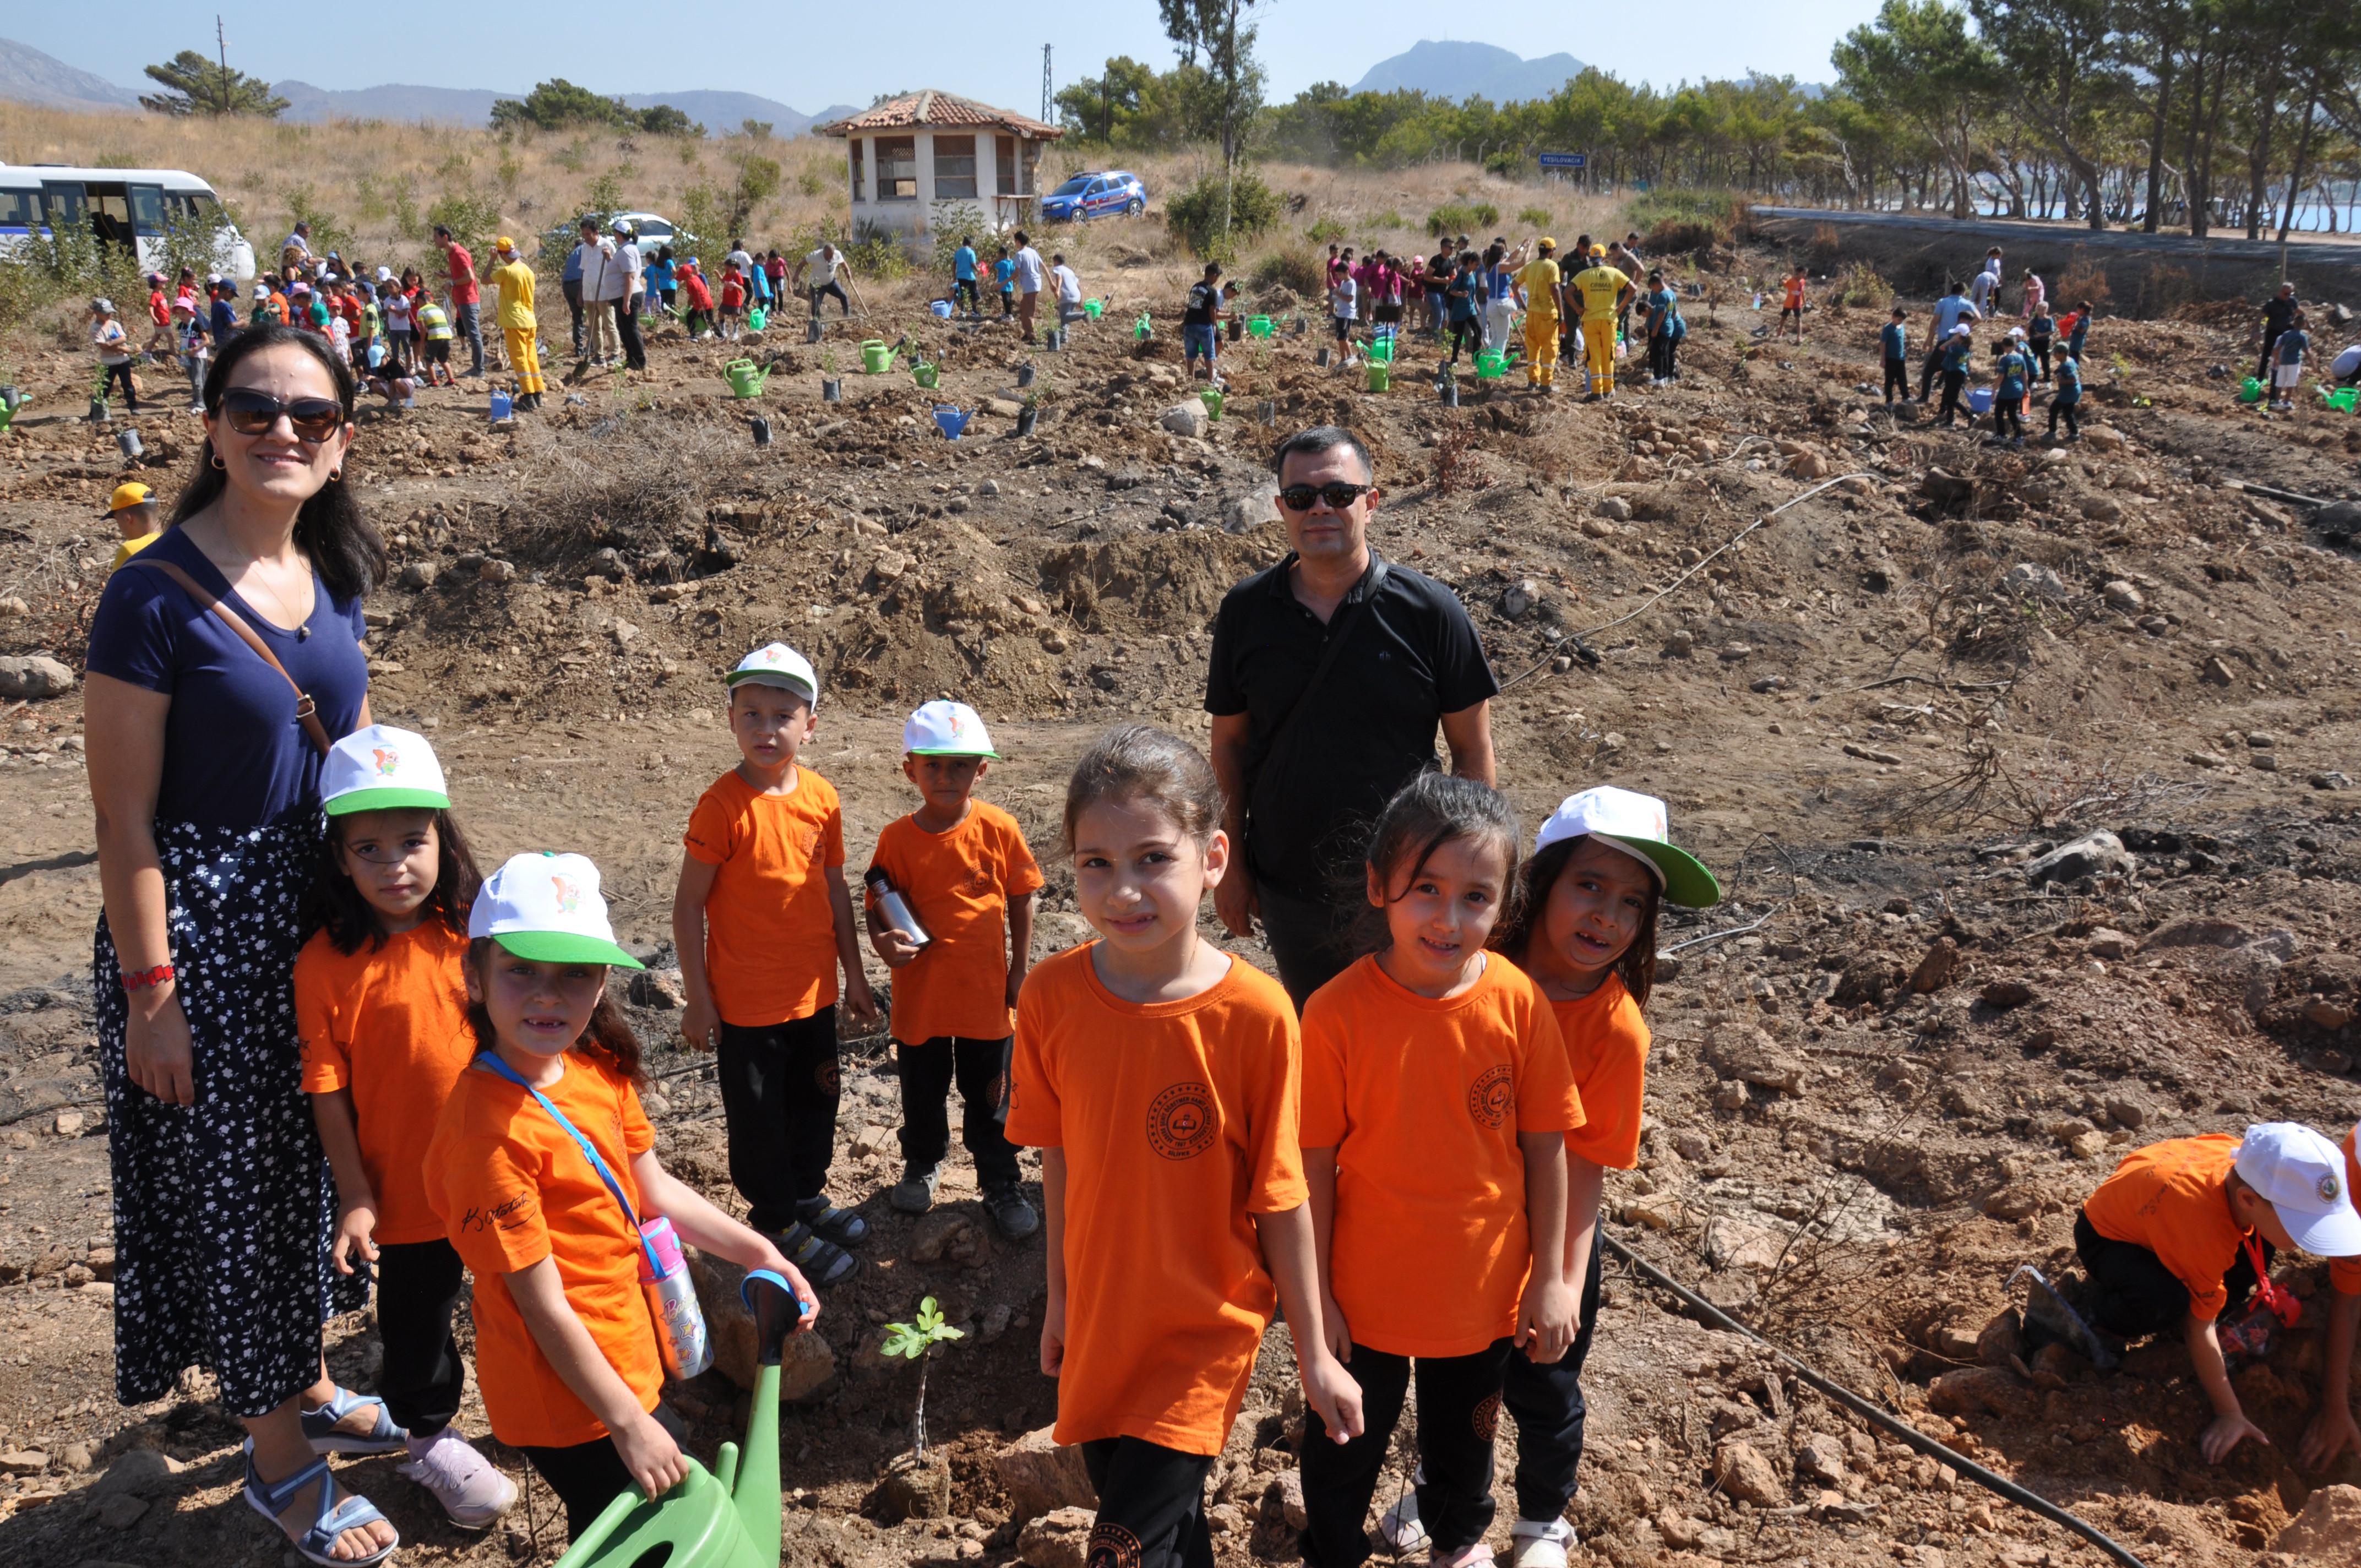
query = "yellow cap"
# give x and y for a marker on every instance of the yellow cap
(504, 243)
(1548, 244)
(1597, 251)
(129, 495)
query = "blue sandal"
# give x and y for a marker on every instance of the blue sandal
(324, 1429)
(338, 1512)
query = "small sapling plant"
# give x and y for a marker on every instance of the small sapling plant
(914, 1341)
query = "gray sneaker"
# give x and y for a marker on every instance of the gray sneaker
(1013, 1215)
(915, 1194)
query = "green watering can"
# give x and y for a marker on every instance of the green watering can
(2342, 400)
(925, 375)
(757, 319)
(877, 356)
(1212, 396)
(1491, 367)
(1091, 308)
(746, 378)
(1381, 376)
(1381, 350)
(1143, 329)
(2250, 390)
(1259, 326)
(727, 1517)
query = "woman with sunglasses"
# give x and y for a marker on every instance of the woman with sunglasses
(206, 773)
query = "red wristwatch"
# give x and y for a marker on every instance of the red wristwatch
(141, 980)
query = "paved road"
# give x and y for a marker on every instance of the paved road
(2309, 251)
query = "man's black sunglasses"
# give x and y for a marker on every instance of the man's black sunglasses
(250, 412)
(1298, 498)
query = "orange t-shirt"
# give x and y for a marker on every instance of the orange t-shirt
(2344, 1273)
(1607, 1047)
(513, 1188)
(1177, 1124)
(958, 884)
(2172, 1199)
(769, 930)
(1794, 293)
(391, 1027)
(1423, 1100)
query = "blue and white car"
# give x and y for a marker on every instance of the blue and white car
(1107, 193)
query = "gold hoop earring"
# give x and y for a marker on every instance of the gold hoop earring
(215, 460)
(335, 474)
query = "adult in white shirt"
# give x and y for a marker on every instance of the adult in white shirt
(627, 308)
(605, 284)
(1029, 276)
(300, 242)
(1070, 289)
(744, 262)
(817, 274)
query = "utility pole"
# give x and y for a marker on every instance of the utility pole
(221, 44)
(1045, 84)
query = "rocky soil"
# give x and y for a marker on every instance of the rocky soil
(2029, 772)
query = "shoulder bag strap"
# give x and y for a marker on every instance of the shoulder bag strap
(305, 709)
(493, 1064)
(1352, 619)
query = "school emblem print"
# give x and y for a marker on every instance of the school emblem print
(1112, 1546)
(1489, 1097)
(1181, 1121)
(1487, 1418)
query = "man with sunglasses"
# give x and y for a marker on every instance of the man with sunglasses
(1329, 675)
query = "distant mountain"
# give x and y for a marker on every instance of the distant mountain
(1458, 71)
(720, 113)
(434, 105)
(29, 76)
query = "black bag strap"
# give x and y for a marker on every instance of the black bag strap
(1350, 618)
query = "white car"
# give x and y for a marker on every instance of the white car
(651, 231)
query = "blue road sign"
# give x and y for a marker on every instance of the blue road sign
(1565, 159)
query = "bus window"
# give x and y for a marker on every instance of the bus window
(147, 208)
(63, 206)
(110, 214)
(19, 211)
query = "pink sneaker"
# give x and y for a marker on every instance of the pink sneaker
(470, 1487)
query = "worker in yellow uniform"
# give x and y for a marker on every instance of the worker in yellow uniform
(519, 325)
(133, 511)
(1539, 282)
(1603, 291)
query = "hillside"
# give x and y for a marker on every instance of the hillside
(1457, 71)
(29, 76)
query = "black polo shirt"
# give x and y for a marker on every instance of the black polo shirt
(1410, 655)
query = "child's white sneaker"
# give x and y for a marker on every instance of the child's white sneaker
(1399, 1526)
(1474, 1556)
(1533, 1544)
(471, 1489)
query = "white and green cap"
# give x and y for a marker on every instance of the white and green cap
(945, 729)
(546, 908)
(1639, 826)
(378, 769)
(776, 664)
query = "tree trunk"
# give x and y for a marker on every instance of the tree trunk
(2165, 62)
(2303, 151)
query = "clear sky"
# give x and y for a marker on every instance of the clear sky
(809, 56)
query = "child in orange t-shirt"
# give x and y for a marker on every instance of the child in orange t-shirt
(1791, 302)
(2184, 1231)
(968, 881)
(1584, 928)
(2332, 1429)
(1436, 1100)
(381, 1009)
(762, 921)
(566, 1350)
(1157, 1074)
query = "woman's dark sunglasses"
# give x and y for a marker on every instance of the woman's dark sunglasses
(1298, 498)
(250, 412)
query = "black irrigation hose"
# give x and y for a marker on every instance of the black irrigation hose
(1990, 1480)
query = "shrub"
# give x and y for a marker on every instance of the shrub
(473, 219)
(1860, 286)
(1296, 267)
(1387, 220)
(1537, 218)
(1458, 217)
(1673, 221)
(1196, 214)
(1326, 231)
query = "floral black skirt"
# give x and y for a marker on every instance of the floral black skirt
(223, 1210)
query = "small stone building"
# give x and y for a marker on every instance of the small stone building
(933, 161)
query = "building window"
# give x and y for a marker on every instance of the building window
(954, 168)
(853, 146)
(1004, 165)
(897, 168)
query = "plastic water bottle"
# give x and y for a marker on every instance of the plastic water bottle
(681, 1336)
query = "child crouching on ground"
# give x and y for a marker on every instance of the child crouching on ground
(1158, 1076)
(1436, 1099)
(2183, 1233)
(764, 921)
(969, 883)
(381, 1007)
(542, 1167)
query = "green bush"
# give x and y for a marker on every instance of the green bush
(1388, 220)
(473, 219)
(1537, 217)
(1327, 231)
(1290, 265)
(1196, 214)
(1670, 221)
(1465, 218)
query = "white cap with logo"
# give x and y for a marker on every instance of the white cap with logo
(380, 768)
(945, 729)
(546, 908)
(1639, 826)
(2301, 1175)
(776, 664)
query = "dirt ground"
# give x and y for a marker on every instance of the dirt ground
(1876, 717)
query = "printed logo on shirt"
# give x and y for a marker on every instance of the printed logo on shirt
(502, 1215)
(807, 841)
(1489, 1097)
(1111, 1546)
(978, 882)
(1487, 1418)
(1181, 1121)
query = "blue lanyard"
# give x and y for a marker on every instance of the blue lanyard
(491, 1063)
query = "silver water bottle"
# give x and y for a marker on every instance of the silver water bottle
(895, 907)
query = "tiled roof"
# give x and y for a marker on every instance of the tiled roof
(932, 108)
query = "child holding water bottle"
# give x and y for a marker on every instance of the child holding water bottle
(542, 1168)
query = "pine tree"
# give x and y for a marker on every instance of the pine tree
(201, 86)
